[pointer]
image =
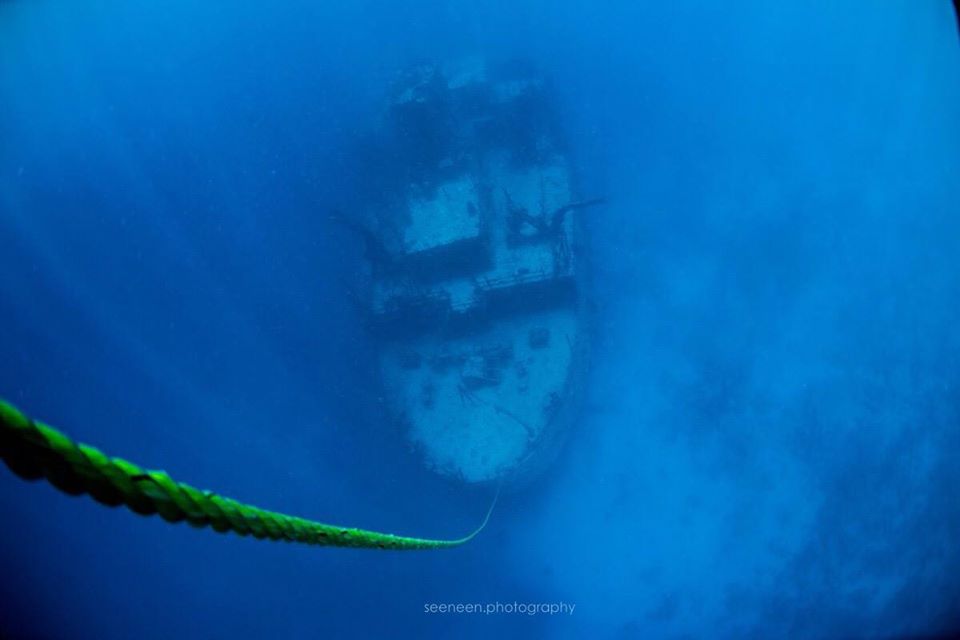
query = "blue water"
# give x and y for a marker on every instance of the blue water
(771, 442)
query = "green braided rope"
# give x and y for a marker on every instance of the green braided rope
(34, 450)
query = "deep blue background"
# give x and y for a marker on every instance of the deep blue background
(771, 442)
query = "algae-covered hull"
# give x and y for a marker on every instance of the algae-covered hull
(477, 279)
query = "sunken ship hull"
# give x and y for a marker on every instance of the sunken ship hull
(477, 297)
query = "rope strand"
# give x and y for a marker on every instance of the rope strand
(33, 451)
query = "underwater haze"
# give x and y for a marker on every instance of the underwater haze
(770, 444)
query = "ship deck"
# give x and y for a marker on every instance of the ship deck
(482, 381)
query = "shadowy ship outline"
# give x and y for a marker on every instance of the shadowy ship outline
(476, 275)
